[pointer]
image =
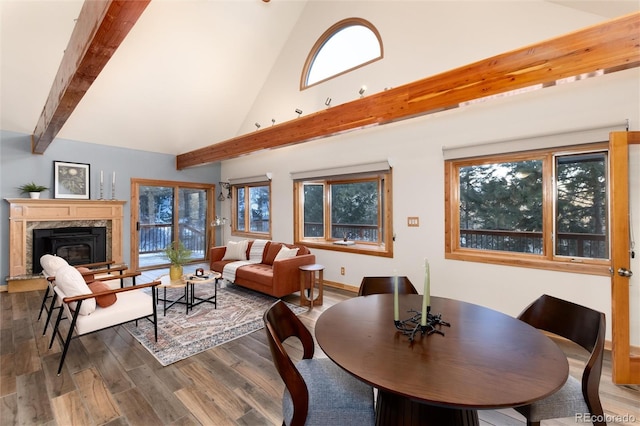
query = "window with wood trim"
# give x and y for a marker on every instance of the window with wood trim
(251, 210)
(345, 213)
(547, 209)
(347, 45)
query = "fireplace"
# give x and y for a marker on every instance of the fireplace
(77, 245)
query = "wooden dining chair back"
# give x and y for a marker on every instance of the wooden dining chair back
(585, 327)
(382, 285)
(317, 391)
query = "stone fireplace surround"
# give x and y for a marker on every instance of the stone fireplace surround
(26, 214)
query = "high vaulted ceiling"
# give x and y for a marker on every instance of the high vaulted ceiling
(183, 78)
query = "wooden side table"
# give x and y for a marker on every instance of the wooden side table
(309, 271)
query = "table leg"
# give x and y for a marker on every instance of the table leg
(393, 410)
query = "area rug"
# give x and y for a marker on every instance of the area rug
(181, 335)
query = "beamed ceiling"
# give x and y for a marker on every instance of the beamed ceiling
(102, 26)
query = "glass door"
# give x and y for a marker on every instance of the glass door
(166, 212)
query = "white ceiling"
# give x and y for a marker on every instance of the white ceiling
(184, 78)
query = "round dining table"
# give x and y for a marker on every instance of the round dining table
(483, 360)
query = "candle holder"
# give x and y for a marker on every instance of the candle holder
(113, 191)
(411, 326)
(101, 191)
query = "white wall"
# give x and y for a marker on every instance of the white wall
(423, 38)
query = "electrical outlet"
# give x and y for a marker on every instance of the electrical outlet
(342, 270)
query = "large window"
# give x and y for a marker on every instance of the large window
(546, 209)
(252, 210)
(347, 45)
(346, 213)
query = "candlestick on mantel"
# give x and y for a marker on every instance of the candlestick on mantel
(101, 185)
(426, 297)
(113, 186)
(396, 309)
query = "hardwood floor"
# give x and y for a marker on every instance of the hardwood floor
(110, 379)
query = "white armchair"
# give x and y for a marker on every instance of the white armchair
(93, 309)
(108, 272)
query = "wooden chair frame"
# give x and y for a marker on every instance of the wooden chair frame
(581, 325)
(383, 285)
(75, 314)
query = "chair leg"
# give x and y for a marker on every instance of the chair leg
(69, 335)
(50, 312)
(533, 423)
(55, 327)
(155, 314)
(44, 301)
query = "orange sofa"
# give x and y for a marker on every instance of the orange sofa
(276, 278)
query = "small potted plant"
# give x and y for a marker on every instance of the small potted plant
(32, 189)
(178, 255)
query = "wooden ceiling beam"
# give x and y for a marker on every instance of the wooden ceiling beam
(101, 27)
(613, 45)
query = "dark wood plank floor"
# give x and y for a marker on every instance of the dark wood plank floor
(110, 379)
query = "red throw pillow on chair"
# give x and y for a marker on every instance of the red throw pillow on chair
(87, 277)
(102, 301)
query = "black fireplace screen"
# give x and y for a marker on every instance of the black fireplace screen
(77, 245)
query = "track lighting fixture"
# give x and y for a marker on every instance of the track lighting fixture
(328, 102)
(257, 125)
(362, 90)
(299, 112)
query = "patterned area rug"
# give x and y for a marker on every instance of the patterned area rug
(180, 335)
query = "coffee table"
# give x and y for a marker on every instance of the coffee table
(207, 278)
(165, 283)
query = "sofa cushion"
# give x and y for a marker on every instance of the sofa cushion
(236, 250)
(102, 301)
(256, 273)
(271, 253)
(50, 264)
(71, 283)
(286, 253)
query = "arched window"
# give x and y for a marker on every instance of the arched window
(347, 45)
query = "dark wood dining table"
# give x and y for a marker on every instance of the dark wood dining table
(484, 360)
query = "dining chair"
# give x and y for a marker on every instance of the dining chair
(585, 327)
(317, 391)
(381, 285)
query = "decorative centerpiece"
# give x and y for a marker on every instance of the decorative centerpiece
(32, 189)
(423, 321)
(178, 255)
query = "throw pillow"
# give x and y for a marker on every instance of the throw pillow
(272, 252)
(50, 264)
(102, 301)
(286, 253)
(88, 278)
(236, 250)
(71, 283)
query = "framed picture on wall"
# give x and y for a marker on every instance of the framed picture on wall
(71, 180)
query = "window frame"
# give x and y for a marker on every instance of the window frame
(247, 233)
(322, 40)
(548, 260)
(384, 248)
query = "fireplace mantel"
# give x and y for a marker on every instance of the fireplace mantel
(25, 210)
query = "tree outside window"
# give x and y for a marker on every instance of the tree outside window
(252, 210)
(346, 214)
(543, 209)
